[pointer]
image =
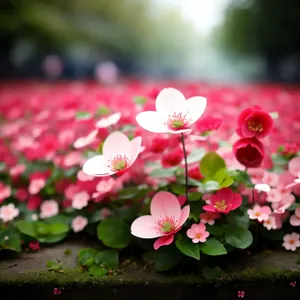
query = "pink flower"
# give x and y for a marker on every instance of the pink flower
(274, 196)
(295, 219)
(294, 166)
(17, 170)
(56, 291)
(249, 152)
(293, 283)
(256, 175)
(260, 213)
(224, 201)
(5, 191)
(108, 121)
(158, 144)
(174, 114)
(72, 159)
(81, 176)
(165, 220)
(208, 124)
(270, 223)
(241, 294)
(291, 241)
(297, 180)
(8, 212)
(271, 178)
(262, 187)
(36, 185)
(209, 218)
(104, 213)
(198, 233)
(79, 223)
(104, 186)
(172, 158)
(85, 140)
(286, 201)
(49, 208)
(118, 154)
(80, 200)
(254, 122)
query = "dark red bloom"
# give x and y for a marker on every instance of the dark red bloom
(34, 246)
(34, 202)
(56, 291)
(254, 122)
(249, 152)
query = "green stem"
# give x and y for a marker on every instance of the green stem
(186, 166)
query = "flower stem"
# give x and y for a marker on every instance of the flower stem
(185, 165)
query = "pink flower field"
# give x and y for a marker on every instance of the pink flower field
(194, 168)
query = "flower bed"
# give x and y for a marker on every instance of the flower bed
(148, 173)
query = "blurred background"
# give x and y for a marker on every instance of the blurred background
(211, 40)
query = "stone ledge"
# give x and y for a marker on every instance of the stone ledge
(262, 276)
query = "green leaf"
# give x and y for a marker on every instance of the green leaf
(51, 239)
(83, 115)
(161, 173)
(86, 256)
(238, 237)
(140, 100)
(211, 163)
(63, 219)
(10, 239)
(238, 218)
(114, 233)
(128, 214)
(212, 273)
(195, 155)
(27, 228)
(210, 186)
(223, 178)
(194, 196)
(166, 258)
(216, 229)
(195, 210)
(102, 111)
(187, 247)
(42, 228)
(54, 266)
(98, 271)
(108, 259)
(177, 189)
(58, 228)
(213, 247)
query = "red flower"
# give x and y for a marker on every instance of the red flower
(224, 201)
(158, 145)
(208, 123)
(241, 294)
(34, 246)
(34, 202)
(195, 173)
(172, 158)
(249, 152)
(254, 122)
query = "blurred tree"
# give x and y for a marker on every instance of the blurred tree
(129, 29)
(267, 28)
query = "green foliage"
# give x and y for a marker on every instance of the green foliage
(140, 100)
(114, 233)
(166, 258)
(195, 155)
(42, 231)
(83, 115)
(211, 163)
(187, 247)
(163, 173)
(212, 273)
(177, 189)
(98, 271)
(10, 239)
(54, 266)
(238, 237)
(213, 247)
(216, 229)
(87, 256)
(108, 258)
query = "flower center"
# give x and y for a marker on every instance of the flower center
(166, 225)
(198, 235)
(255, 126)
(178, 121)
(118, 163)
(257, 214)
(292, 242)
(221, 205)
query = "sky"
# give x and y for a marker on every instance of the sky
(204, 14)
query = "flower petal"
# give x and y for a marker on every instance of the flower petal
(163, 241)
(295, 221)
(165, 204)
(168, 101)
(117, 143)
(144, 227)
(135, 148)
(195, 107)
(96, 166)
(151, 121)
(184, 215)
